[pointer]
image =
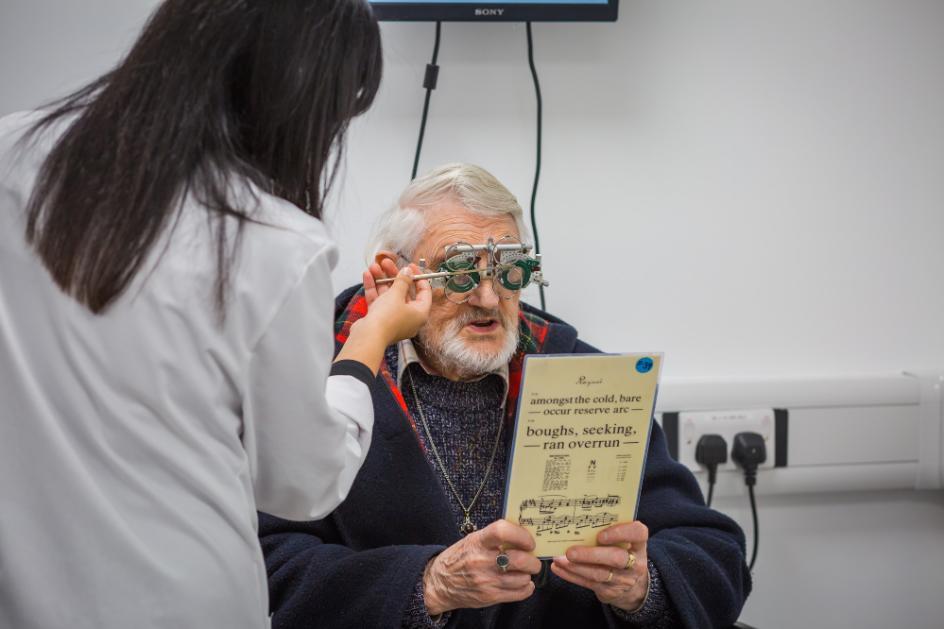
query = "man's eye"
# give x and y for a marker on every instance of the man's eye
(514, 276)
(462, 282)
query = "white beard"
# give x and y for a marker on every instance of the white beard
(452, 354)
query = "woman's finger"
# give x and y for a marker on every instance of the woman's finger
(424, 291)
(389, 268)
(377, 274)
(370, 287)
(402, 283)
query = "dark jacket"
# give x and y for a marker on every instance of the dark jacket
(358, 567)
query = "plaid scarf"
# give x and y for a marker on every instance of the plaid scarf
(532, 332)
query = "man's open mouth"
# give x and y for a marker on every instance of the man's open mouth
(483, 325)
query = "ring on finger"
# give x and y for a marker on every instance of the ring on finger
(609, 577)
(502, 561)
(630, 562)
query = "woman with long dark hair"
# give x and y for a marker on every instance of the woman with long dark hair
(165, 317)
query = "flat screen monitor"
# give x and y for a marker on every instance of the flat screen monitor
(497, 10)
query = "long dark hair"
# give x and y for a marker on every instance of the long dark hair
(212, 89)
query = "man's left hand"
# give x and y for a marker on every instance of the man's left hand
(603, 568)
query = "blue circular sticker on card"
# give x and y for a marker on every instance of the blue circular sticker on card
(644, 365)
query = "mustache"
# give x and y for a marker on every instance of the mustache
(476, 313)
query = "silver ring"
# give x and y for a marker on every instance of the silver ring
(502, 561)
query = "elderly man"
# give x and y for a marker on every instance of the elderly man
(416, 542)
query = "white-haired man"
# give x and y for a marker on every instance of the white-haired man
(416, 542)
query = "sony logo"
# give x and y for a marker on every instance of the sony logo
(488, 12)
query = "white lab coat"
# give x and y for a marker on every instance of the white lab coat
(137, 445)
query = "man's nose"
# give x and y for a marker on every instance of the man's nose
(484, 295)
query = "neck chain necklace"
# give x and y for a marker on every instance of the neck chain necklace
(467, 525)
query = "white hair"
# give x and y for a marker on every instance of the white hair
(401, 228)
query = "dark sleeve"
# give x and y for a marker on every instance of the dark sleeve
(355, 369)
(584, 348)
(698, 551)
(417, 616)
(313, 583)
(655, 612)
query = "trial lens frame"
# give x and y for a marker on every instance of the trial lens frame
(458, 272)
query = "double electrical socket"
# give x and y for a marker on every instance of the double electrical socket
(727, 423)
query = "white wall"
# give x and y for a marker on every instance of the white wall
(754, 188)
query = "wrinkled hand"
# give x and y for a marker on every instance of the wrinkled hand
(590, 566)
(398, 308)
(465, 575)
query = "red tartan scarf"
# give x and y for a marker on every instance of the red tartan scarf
(532, 331)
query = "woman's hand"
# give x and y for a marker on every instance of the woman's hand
(466, 575)
(395, 311)
(398, 308)
(386, 269)
(617, 570)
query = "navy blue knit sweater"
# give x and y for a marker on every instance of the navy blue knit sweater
(359, 566)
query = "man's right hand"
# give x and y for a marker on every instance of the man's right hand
(465, 575)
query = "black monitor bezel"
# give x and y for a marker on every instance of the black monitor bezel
(465, 12)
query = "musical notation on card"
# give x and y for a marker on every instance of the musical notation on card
(560, 513)
(547, 504)
(554, 523)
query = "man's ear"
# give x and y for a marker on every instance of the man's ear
(385, 254)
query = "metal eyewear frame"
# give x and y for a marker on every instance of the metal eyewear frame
(508, 263)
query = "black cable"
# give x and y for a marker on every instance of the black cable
(429, 82)
(710, 451)
(750, 491)
(537, 166)
(749, 451)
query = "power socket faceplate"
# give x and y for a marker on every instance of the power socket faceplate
(727, 423)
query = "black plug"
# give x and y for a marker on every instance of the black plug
(749, 451)
(710, 451)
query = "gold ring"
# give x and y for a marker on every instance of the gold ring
(630, 562)
(609, 577)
